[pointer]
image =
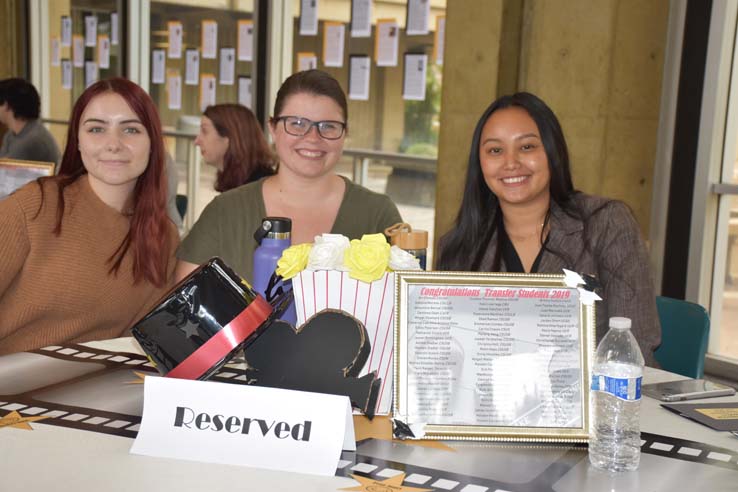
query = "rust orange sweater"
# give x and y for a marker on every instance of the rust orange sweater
(57, 289)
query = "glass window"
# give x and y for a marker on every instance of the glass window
(386, 124)
(107, 62)
(209, 29)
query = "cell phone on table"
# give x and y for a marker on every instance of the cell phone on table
(686, 389)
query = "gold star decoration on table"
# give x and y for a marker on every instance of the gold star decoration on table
(14, 419)
(140, 380)
(392, 484)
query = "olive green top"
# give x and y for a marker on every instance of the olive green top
(227, 225)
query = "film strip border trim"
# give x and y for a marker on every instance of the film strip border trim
(79, 418)
(692, 451)
(91, 419)
(419, 476)
(80, 353)
(127, 426)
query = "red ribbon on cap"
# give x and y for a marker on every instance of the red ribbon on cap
(222, 343)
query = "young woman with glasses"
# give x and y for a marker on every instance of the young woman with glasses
(309, 129)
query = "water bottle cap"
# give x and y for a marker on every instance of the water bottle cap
(274, 227)
(620, 323)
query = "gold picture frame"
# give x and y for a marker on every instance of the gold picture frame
(14, 173)
(492, 357)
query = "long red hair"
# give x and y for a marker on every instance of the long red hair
(248, 155)
(148, 237)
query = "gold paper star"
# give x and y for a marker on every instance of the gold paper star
(14, 419)
(392, 484)
(140, 380)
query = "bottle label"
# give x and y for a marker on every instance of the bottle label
(628, 389)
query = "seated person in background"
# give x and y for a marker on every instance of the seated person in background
(521, 213)
(27, 138)
(231, 140)
(309, 129)
(86, 253)
(170, 168)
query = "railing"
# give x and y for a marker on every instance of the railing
(361, 161)
(361, 158)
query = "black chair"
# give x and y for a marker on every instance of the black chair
(181, 202)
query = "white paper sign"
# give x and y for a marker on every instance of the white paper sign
(413, 87)
(192, 67)
(361, 18)
(245, 40)
(244, 91)
(66, 31)
(209, 39)
(90, 30)
(174, 90)
(306, 61)
(55, 52)
(103, 51)
(371, 303)
(114, 28)
(158, 65)
(66, 74)
(227, 66)
(418, 13)
(333, 37)
(439, 40)
(91, 73)
(308, 17)
(232, 424)
(207, 90)
(359, 77)
(388, 35)
(78, 51)
(175, 39)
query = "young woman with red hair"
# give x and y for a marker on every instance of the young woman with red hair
(86, 253)
(231, 140)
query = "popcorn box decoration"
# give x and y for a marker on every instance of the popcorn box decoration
(371, 303)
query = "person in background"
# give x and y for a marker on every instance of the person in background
(521, 213)
(86, 253)
(231, 140)
(27, 138)
(308, 128)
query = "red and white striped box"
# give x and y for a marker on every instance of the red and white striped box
(371, 303)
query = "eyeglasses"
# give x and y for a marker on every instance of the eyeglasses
(298, 126)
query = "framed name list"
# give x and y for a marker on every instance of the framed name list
(14, 173)
(500, 357)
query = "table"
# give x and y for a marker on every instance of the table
(52, 457)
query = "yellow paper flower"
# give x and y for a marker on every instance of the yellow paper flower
(367, 258)
(293, 261)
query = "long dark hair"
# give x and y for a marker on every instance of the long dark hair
(464, 246)
(149, 235)
(248, 155)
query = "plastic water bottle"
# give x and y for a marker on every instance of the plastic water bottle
(615, 436)
(273, 237)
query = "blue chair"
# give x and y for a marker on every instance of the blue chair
(685, 327)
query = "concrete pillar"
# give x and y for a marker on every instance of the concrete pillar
(470, 76)
(597, 63)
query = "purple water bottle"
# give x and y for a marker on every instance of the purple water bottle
(273, 237)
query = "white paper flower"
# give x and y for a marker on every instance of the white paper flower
(327, 252)
(402, 260)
